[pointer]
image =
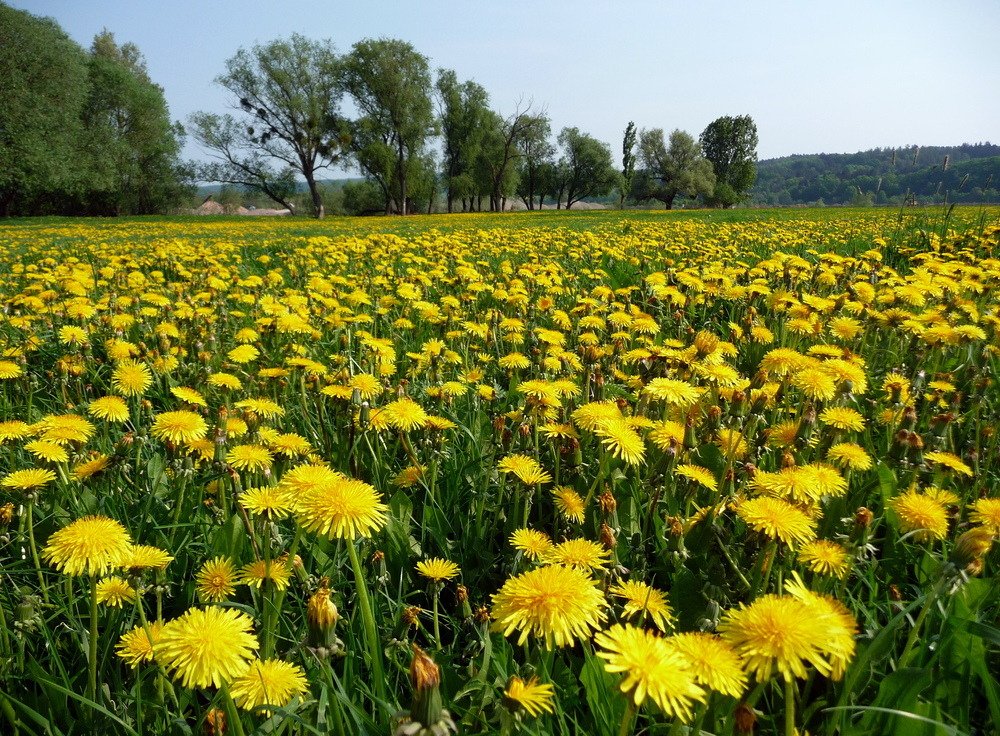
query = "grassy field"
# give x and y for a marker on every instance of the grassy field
(541, 473)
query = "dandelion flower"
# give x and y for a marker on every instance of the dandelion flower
(642, 600)
(91, 545)
(341, 508)
(272, 502)
(838, 642)
(921, 514)
(136, 646)
(277, 571)
(531, 695)
(243, 354)
(986, 511)
(216, 580)
(952, 462)
(437, 569)
(558, 604)
(131, 378)
(777, 519)
(14, 429)
(826, 558)
(28, 479)
(715, 664)
(48, 451)
(777, 633)
(144, 556)
(189, 396)
(531, 542)
(652, 668)
(206, 646)
(250, 458)
(527, 469)
(115, 592)
(579, 553)
(843, 418)
(268, 682)
(673, 392)
(9, 369)
(109, 408)
(697, 474)
(815, 383)
(405, 415)
(623, 441)
(179, 427)
(849, 455)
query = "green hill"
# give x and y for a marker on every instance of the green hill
(966, 173)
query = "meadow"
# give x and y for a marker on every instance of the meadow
(544, 473)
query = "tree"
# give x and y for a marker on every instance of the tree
(288, 93)
(730, 144)
(391, 86)
(628, 163)
(670, 171)
(464, 110)
(586, 167)
(536, 152)
(133, 144)
(497, 167)
(43, 88)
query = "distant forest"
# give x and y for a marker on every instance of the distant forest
(915, 174)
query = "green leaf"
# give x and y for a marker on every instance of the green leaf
(606, 703)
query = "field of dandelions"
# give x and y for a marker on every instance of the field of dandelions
(548, 473)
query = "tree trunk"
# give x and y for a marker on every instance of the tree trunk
(450, 199)
(402, 179)
(317, 200)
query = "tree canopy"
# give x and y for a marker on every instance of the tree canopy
(730, 144)
(671, 170)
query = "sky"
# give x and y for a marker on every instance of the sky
(829, 76)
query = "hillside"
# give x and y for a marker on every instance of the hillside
(966, 173)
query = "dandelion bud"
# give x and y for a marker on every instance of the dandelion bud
(365, 416)
(745, 718)
(6, 513)
(607, 537)
(894, 593)
(322, 616)
(482, 615)
(863, 518)
(972, 546)
(462, 593)
(607, 502)
(975, 567)
(411, 616)
(787, 460)
(426, 717)
(706, 343)
(676, 526)
(215, 722)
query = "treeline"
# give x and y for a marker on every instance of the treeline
(909, 175)
(425, 140)
(82, 132)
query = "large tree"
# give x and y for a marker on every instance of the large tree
(586, 168)
(536, 160)
(730, 143)
(288, 93)
(498, 162)
(464, 111)
(671, 170)
(43, 88)
(391, 86)
(628, 163)
(133, 143)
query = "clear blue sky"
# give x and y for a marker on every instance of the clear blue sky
(832, 76)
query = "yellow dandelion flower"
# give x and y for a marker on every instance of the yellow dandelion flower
(560, 605)
(29, 479)
(250, 458)
(697, 474)
(925, 516)
(14, 429)
(525, 468)
(243, 354)
(815, 383)
(777, 519)
(652, 668)
(578, 553)
(136, 646)
(437, 569)
(673, 392)
(109, 408)
(570, 503)
(216, 580)
(838, 643)
(531, 542)
(189, 396)
(946, 459)
(843, 418)
(179, 427)
(115, 592)
(532, 696)
(986, 512)
(405, 414)
(131, 378)
(144, 556)
(92, 545)
(849, 455)
(277, 571)
(225, 380)
(9, 370)
(716, 665)
(623, 441)
(643, 600)
(826, 558)
(272, 502)
(268, 682)
(206, 646)
(340, 507)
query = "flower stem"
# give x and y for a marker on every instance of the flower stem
(232, 715)
(368, 618)
(628, 720)
(789, 708)
(34, 552)
(92, 661)
(911, 640)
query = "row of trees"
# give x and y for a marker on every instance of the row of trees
(289, 96)
(81, 131)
